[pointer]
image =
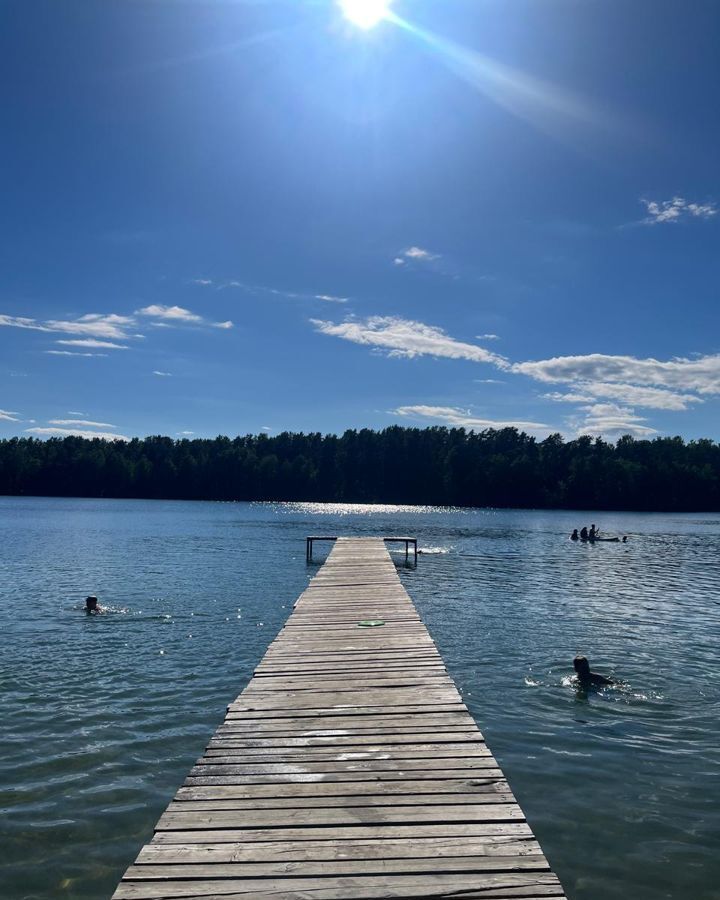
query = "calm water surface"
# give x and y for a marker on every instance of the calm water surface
(103, 716)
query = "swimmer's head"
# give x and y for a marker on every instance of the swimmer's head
(582, 666)
(91, 603)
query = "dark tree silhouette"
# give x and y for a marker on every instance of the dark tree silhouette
(439, 466)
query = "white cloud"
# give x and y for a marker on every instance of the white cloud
(185, 433)
(75, 412)
(419, 253)
(625, 381)
(82, 422)
(404, 337)
(70, 353)
(7, 416)
(647, 397)
(92, 342)
(415, 254)
(176, 315)
(202, 282)
(452, 415)
(162, 374)
(99, 325)
(701, 374)
(610, 420)
(487, 337)
(171, 313)
(76, 432)
(664, 211)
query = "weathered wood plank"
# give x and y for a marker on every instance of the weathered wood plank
(490, 886)
(344, 834)
(331, 850)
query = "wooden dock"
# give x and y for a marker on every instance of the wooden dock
(349, 767)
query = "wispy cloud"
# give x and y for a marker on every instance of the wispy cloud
(85, 423)
(184, 433)
(661, 384)
(98, 325)
(665, 211)
(71, 353)
(202, 282)
(92, 342)
(176, 315)
(76, 432)
(487, 337)
(415, 254)
(162, 374)
(606, 388)
(169, 313)
(280, 292)
(462, 418)
(611, 421)
(406, 338)
(700, 375)
(647, 397)
(103, 331)
(7, 416)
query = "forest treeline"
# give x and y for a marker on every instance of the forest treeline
(438, 466)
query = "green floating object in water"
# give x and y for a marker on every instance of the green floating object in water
(370, 623)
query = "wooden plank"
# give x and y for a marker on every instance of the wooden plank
(326, 850)
(345, 834)
(291, 817)
(490, 886)
(510, 862)
(349, 767)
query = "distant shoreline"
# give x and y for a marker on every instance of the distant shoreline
(495, 469)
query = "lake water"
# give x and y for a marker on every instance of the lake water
(103, 716)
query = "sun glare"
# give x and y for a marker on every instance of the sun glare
(365, 13)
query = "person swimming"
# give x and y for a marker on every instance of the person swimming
(586, 677)
(574, 535)
(593, 532)
(91, 605)
(584, 533)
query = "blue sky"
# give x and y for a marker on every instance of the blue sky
(222, 216)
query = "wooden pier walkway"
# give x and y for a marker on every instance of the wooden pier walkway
(349, 767)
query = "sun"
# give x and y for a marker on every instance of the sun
(365, 13)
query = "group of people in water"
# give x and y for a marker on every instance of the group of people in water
(593, 535)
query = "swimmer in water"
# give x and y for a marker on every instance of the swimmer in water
(586, 677)
(574, 535)
(91, 605)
